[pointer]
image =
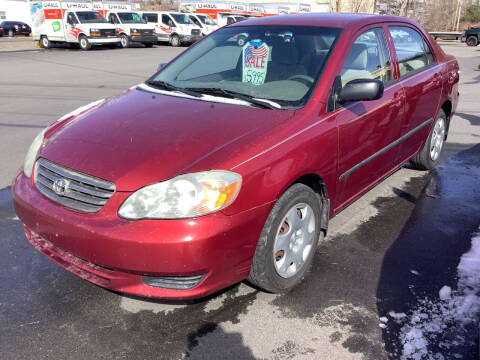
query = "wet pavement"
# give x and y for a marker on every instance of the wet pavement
(401, 242)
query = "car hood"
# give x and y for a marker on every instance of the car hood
(140, 137)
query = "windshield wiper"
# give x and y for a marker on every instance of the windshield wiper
(167, 86)
(261, 103)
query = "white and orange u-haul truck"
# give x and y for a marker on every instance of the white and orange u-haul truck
(130, 25)
(73, 22)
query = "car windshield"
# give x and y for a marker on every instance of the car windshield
(130, 18)
(86, 17)
(182, 19)
(279, 64)
(207, 20)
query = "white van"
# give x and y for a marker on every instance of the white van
(173, 27)
(132, 28)
(205, 22)
(70, 22)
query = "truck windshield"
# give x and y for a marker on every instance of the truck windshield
(87, 17)
(280, 64)
(130, 18)
(182, 19)
(207, 20)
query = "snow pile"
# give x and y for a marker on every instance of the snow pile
(444, 322)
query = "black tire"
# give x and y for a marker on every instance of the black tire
(11, 33)
(84, 43)
(175, 40)
(472, 41)
(124, 41)
(423, 160)
(45, 42)
(263, 272)
(148, 45)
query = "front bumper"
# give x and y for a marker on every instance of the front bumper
(116, 253)
(144, 39)
(190, 38)
(100, 40)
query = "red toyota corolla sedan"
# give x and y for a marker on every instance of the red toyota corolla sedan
(228, 163)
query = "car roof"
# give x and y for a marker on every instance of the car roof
(322, 19)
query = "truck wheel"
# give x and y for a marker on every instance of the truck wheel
(472, 41)
(45, 42)
(430, 154)
(175, 40)
(10, 33)
(288, 241)
(125, 41)
(84, 43)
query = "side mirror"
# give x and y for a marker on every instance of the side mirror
(361, 90)
(161, 66)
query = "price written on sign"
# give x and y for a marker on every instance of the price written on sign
(255, 61)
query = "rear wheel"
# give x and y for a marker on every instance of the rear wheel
(175, 40)
(45, 42)
(288, 240)
(125, 41)
(472, 41)
(84, 43)
(430, 154)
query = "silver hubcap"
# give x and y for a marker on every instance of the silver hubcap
(294, 240)
(83, 43)
(438, 137)
(124, 41)
(45, 42)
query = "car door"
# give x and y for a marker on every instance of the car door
(422, 81)
(166, 26)
(71, 30)
(367, 130)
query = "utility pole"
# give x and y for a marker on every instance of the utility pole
(339, 5)
(459, 13)
(455, 15)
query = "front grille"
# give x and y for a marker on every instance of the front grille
(107, 32)
(71, 188)
(195, 31)
(146, 31)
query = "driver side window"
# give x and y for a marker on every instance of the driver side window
(71, 19)
(368, 58)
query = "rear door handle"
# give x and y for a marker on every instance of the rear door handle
(398, 98)
(437, 79)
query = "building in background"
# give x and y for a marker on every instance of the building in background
(18, 10)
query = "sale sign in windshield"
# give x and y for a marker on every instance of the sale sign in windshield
(255, 61)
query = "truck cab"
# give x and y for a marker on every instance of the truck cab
(205, 22)
(471, 36)
(173, 27)
(132, 28)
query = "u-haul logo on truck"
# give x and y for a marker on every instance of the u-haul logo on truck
(237, 7)
(51, 5)
(118, 7)
(80, 6)
(207, 6)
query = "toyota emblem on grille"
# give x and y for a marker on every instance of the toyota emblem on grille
(60, 187)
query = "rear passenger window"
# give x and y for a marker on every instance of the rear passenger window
(413, 53)
(368, 58)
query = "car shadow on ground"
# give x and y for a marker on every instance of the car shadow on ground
(425, 255)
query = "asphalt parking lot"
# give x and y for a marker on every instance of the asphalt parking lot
(401, 242)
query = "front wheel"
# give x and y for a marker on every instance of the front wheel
(288, 240)
(175, 40)
(125, 41)
(84, 43)
(45, 42)
(472, 41)
(430, 154)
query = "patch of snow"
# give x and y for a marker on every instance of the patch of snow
(383, 326)
(396, 316)
(445, 293)
(432, 319)
(414, 272)
(384, 319)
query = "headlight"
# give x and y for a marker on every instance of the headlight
(32, 154)
(134, 32)
(186, 196)
(94, 32)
